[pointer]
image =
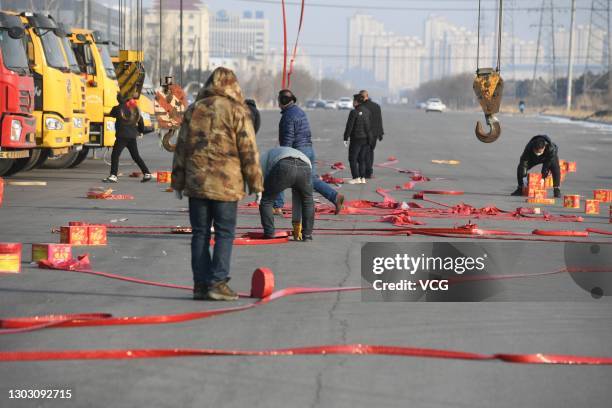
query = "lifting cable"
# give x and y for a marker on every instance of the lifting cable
(286, 80)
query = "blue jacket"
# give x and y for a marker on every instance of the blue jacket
(294, 129)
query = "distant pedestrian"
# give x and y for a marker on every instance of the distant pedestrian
(128, 126)
(539, 150)
(283, 168)
(216, 156)
(294, 131)
(359, 132)
(377, 129)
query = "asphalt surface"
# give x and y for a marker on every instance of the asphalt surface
(573, 324)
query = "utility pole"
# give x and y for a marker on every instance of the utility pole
(181, 43)
(86, 12)
(570, 62)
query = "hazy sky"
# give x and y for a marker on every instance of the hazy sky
(325, 28)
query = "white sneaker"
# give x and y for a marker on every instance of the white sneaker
(363, 181)
(111, 179)
(354, 181)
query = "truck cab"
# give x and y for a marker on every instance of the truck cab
(52, 89)
(101, 87)
(80, 125)
(17, 124)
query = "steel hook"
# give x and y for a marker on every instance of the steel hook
(494, 130)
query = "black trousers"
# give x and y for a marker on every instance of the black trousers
(370, 169)
(359, 151)
(132, 146)
(553, 166)
(289, 173)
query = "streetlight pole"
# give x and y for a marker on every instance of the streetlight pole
(570, 63)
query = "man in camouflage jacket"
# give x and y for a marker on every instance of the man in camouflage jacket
(216, 156)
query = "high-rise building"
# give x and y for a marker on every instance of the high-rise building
(239, 37)
(393, 60)
(196, 28)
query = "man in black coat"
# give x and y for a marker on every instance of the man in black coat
(539, 150)
(255, 116)
(377, 129)
(359, 132)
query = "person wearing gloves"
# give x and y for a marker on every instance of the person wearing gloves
(539, 150)
(215, 157)
(283, 168)
(358, 131)
(377, 129)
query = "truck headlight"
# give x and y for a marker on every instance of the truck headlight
(110, 126)
(53, 124)
(16, 129)
(77, 123)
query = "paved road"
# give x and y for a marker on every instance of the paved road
(486, 173)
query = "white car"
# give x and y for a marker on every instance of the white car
(331, 105)
(345, 103)
(434, 105)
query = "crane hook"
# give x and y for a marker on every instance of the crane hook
(494, 130)
(488, 87)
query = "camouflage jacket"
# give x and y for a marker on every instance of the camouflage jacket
(216, 153)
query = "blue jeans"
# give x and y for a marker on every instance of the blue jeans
(319, 185)
(203, 214)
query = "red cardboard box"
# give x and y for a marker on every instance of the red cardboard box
(74, 235)
(10, 257)
(97, 235)
(51, 252)
(164, 176)
(591, 207)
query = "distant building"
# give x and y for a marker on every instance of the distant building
(392, 59)
(196, 29)
(233, 36)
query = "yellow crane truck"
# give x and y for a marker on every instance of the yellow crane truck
(101, 87)
(53, 109)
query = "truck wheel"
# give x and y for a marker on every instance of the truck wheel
(81, 157)
(61, 162)
(42, 158)
(28, 163)
(5, 166)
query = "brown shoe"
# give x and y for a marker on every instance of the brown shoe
(277, 211)
(200, 291)
(221, 291)
(339, 203)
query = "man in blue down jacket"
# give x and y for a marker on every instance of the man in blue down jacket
(294, 131)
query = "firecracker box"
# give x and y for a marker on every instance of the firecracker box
(51, 252)
(96, 235)
(548, 182)
(164, 176)
(10, 257)
(534, 179)
(591, 207)
(571, 201)
(571, 167)
(540, 193)
(545, 201)
(604, 196)
(74, 235)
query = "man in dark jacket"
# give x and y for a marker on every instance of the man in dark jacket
(294, 131)
(128, 125)
(539, 150)
(359, 132)
(377, 129)
(255, 116)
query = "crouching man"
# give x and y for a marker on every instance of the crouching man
(286, 167)
(539, 150)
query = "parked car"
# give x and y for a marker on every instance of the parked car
(331, 105)
(434, 105)
(345, 103)
(311, 104)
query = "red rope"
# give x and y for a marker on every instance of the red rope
(295, 46)
(284, 80)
